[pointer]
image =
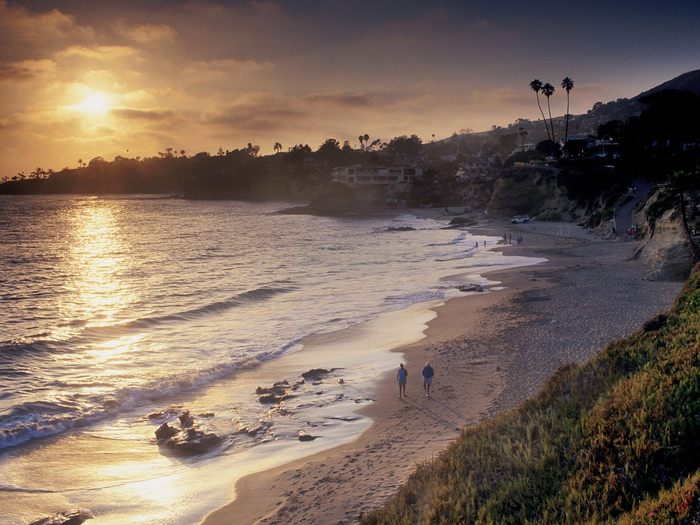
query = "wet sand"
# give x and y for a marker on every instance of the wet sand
(490, 351)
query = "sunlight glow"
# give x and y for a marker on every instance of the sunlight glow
(95, 104)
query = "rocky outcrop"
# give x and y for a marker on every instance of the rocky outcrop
(663, 244)
(337, 200)
(665, 248)
(278, 392)
(531, 190)
(188, 440)
(471, 287)
(458, 222)
(75, 517)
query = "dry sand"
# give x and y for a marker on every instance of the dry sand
(490, 351)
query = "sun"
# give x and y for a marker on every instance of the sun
(95, 104)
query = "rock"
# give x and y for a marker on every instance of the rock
(163, 414)
(316, 374)
(462, 221)
(269, 399)
(253, 430)
(303, 436)
(75, 517)
(471, 287)
(165, 431)
(341, 381)
(400, 228)
(207, 414)
(186, 420)
(192, 441)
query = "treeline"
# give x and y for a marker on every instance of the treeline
(239, 173)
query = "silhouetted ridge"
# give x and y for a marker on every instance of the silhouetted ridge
(689, 81)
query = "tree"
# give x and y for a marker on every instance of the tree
(523, 133)
(405, 146)
(277, 147)
(329, 150)
(361, 138)
(568, 85)
(366, 137)
(681, 182)
(536, 86)
(548, 91)
(252, 149)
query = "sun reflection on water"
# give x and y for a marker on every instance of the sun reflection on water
(99, 253)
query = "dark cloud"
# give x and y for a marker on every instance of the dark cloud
(142, 114)
(25, 70)
(257, 113)
(346, 100)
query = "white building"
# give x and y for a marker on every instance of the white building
(395, 179)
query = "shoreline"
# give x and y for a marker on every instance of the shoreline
(477, 345)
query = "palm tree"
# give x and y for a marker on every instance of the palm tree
(536, 86)
(366, 137)
(568, 85)
(277, 147)
(548, 91)
(361, 138)
(523, 134)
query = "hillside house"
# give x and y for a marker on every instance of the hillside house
(395, 179)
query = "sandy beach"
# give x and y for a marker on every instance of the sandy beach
(490, 351)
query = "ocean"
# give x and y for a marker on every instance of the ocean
(117, 314)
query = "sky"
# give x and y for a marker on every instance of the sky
(85, 79)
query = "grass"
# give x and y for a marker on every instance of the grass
(611, 441)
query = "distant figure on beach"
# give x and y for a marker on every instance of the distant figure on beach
(476, 244)
(401, 376)
(428, 374)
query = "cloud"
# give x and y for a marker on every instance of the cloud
(101, 53)
(24, 33)
(25, 70)
(346, 100)
(148, 33)
(211, 70)
(257, 112)
(142, 114)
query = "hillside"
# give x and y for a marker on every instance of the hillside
(689, 81)
(610, 441)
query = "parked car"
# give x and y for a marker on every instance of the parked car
(517, 219)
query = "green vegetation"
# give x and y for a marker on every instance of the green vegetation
(610, 441)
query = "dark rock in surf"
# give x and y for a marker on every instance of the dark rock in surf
(165, 431)
(400, 229)
(461, 221)
(303, 436)
(75, 517)
(186, 420)
(193, 441)
(472, 287)
(316, 374)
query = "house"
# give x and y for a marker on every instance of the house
(395, 179)
(476, 165)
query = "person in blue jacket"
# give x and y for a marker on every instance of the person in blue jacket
(401, 377)
(428, 374)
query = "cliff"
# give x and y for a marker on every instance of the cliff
(663, 244)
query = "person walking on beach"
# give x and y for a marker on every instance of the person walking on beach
(401, 376)
(428, 374)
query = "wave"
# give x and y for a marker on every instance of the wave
(37, 419)
(413, 298)
(457, 240)
(32, 346)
